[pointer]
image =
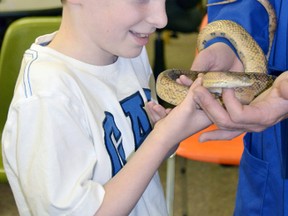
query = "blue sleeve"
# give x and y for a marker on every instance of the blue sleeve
(250, 14)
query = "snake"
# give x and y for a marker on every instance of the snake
(247, 85)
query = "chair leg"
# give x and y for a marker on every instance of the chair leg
(170, 180)
(183, 174)
(159, 55)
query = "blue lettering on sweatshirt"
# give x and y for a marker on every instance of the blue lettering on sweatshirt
(133, 108)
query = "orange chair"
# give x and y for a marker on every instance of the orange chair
(219, 152)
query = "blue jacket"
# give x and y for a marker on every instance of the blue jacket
(263, 171)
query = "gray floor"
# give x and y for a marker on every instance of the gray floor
(210, 189)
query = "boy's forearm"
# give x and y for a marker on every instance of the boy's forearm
(124, 190)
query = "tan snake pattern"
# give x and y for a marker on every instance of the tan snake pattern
(247, 85)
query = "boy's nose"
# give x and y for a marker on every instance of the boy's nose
(158, 16)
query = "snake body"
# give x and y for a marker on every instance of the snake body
(248, 84)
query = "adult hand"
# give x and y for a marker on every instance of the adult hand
(217, 57)
(266, 110)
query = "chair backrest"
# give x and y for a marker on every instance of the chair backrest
(18, 37)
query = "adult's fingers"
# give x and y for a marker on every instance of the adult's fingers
(253, 117)
(219, 135)
(240, 114)
(221, 116)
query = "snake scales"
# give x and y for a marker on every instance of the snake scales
(248, 84)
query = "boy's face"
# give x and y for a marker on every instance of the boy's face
(121, 27)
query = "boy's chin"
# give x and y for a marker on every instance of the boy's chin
(133, 53)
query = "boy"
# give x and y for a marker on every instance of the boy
(77, 116)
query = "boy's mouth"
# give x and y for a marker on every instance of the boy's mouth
(139, 35)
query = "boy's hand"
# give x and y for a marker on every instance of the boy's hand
(185, 119)
(156, 111)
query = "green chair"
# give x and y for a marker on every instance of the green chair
(18, 37)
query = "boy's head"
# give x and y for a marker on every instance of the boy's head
(106, 29)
